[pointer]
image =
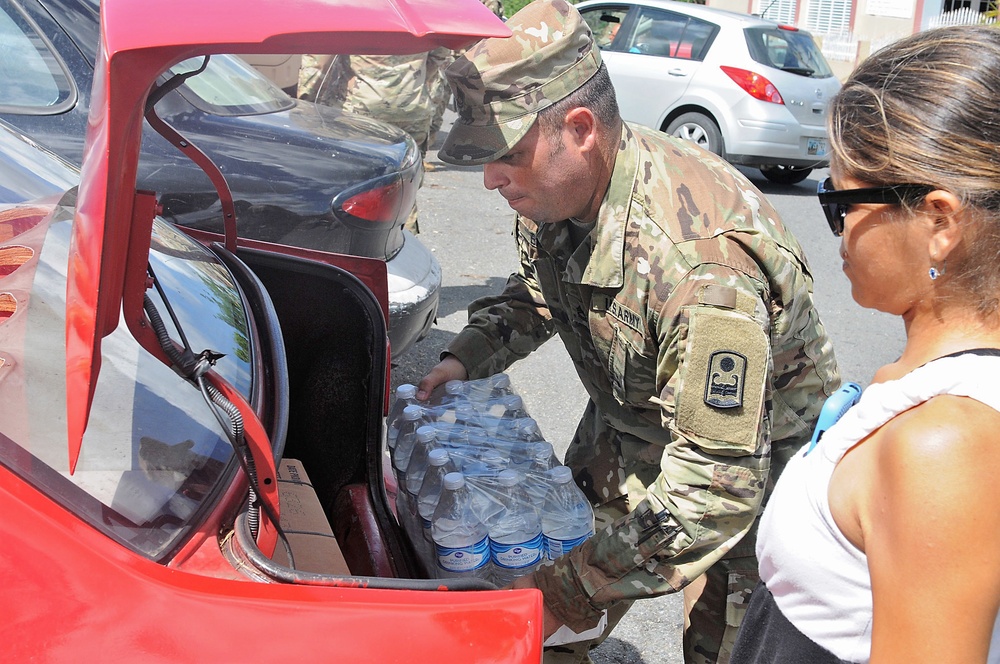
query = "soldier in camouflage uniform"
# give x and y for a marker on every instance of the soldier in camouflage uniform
(686, 307)
(392, 88)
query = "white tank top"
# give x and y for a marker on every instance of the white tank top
(819, 579)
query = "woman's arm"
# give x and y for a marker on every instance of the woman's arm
(930, 518)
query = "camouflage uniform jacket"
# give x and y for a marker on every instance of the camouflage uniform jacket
(394, 88)
(688, 313)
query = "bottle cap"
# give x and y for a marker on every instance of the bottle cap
(561, 474)
(493, 458)
(426, 433)
(453, 387)
(509, 477)
(543, 450)
(454, 481)
(406, 391)
(438, 457)
(412, 412)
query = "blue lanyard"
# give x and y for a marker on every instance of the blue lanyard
(833, 409)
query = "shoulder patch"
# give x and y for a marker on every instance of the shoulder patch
(726, 375)
(723, 378)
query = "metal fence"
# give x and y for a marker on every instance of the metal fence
(964, 16)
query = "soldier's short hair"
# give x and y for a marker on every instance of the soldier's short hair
(597, 94)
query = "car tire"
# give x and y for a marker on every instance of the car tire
(785, 174)
(699, 129)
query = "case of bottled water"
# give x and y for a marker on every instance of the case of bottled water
(508, 473)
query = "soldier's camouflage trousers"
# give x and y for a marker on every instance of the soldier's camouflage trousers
(714, 603)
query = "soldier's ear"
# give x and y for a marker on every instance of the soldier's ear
(582, 127)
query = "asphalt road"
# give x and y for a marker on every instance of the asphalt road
(469, 229)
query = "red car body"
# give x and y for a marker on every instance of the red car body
(119, 544)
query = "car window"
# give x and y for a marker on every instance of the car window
(667, 34)
(32, 78)
(787, 49)
(229, 86)
(605, 23)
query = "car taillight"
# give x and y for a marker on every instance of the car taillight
(379, 204)
(756, 85)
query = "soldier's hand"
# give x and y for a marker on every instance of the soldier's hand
(447, 369)
(549, 622)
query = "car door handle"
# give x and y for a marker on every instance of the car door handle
(677, 71)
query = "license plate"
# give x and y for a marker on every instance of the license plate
(816, 147)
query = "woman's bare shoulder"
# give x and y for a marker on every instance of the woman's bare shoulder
(945, 438)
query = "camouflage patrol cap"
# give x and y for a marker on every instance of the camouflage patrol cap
(501, 84)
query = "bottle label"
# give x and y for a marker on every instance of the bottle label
(555, 547)
(517, 556)
(464, 559)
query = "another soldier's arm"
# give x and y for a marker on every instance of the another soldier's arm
(713, 371)
(506, 327)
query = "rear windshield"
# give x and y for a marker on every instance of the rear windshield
(229, 86)
(789, 50)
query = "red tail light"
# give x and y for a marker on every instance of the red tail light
(756, 85)
(379, 204)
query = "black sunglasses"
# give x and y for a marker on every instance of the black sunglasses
(835, 202)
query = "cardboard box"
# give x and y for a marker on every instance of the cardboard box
(302, 518)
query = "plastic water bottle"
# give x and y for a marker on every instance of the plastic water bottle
(516, 546)
(536, 477)
(567, 516)
(406, 395)
(412, 419)
(425, 442)
(461, 540)
(484, 390)
(447, 400)
(411, 479)
(522, 455)
(439, 464)
(453, 393)
(528, 431)
(500, 384)
(513, 407)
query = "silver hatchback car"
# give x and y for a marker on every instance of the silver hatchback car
(745, 88)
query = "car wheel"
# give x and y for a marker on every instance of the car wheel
(698, 128)
(785, 174)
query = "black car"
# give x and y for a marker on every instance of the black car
(300, 174)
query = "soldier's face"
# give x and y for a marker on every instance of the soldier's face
(546, 176)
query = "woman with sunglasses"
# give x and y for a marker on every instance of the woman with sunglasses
(881, 543)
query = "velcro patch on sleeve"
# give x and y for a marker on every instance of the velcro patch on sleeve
(723, 377)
